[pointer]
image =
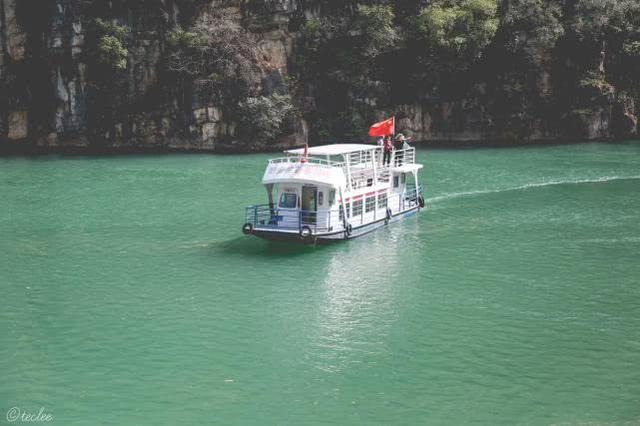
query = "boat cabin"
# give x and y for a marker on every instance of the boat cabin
(331, 191)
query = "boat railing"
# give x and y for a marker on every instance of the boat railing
(265, 216)
(309, 160)
(268, 217)
(405, 156)
(400, 157)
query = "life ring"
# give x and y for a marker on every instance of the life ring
(305, 232)
(247, 229)
(348, 230)
(389, 214)
(420, 201)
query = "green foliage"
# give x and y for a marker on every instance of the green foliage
(109, 28)
(263, 117)
(535, 25)
(461, 27)
(111, 44)
(312, 34)
(599, 19)
(594, 80)
(312, 29)
(376, 26)
(113, 52)
(631, 48)
(181, 39)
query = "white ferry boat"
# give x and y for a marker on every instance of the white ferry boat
(334, 192)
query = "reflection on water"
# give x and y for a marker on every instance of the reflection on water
(358, 299)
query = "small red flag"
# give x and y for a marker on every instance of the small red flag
(305, 154)
(382, 128)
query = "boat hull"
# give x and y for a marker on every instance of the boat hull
(357, 231)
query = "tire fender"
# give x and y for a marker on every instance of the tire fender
(305, 232)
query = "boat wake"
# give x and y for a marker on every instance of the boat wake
(453, 195)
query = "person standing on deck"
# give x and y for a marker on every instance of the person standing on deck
(400, 145)
(387, 147)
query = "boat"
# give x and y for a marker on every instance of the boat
(334, 192)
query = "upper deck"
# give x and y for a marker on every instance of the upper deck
(340, 165)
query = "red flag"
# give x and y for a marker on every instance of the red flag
(305, 154)
(383, 128)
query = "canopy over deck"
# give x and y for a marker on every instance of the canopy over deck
(296, 172)
(335, 149)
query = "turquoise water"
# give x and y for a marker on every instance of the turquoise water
(129, 295)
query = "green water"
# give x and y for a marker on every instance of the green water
(129, 295)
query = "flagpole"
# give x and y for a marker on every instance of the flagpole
(394, 125)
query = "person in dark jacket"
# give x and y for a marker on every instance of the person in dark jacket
(399, 147)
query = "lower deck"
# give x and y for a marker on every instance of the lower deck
(357, 215)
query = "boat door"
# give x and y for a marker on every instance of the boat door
(309, 203)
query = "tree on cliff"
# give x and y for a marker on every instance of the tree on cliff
(460, 30)
(111, 43)
(218, 52)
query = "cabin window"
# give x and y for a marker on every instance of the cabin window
(382, 201)
(370, 204)
(348, 209)
(332, 197)
(403, 178)
(370, 182)
(288, 200)
(320, 198)
(396, 181)
(357, 207)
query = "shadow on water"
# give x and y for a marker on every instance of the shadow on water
(247, 246)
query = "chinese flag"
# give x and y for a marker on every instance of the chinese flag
(382, 128)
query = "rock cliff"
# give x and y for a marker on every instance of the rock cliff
(54, 96)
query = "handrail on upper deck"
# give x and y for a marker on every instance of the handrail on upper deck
(406, 156)
(311, 160)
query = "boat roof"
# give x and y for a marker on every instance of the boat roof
(334, 149)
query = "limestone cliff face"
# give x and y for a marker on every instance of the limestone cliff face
(50, 97)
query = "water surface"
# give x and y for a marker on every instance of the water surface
(130, 296)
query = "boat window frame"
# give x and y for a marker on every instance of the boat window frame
(282, 195)
(370, 204)
(357, 204)
(383, 204)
